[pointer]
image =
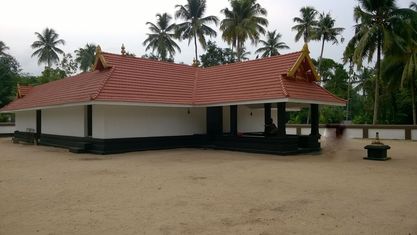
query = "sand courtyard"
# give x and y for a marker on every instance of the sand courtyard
(45, 190)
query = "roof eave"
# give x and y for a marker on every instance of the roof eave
(149, 104)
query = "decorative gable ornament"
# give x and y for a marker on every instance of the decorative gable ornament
(304, 67)
(100, 62)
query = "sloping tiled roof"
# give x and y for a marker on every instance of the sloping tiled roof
(148, 81)
(22, 90)
(136, 80)
(244, 81)
(80, 88)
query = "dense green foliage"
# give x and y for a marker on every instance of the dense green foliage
(400, 62)
(9, 72)
(376, 22)
(216, 56)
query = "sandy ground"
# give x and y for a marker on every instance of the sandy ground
(46, 190)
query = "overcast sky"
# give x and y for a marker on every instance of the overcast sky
(111, 23)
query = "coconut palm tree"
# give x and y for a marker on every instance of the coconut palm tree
(401, 59)
(374, 22)
(3, 48)
(47, 47)
(272, 44)
(245, 20)
(326, 32)
(305, 24)
(243, 54)
(195, 25)
(413, 5)
(162, 37)
(85, 56)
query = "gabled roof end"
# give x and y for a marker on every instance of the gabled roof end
(305, 55)
(99, 63)
(22, 90)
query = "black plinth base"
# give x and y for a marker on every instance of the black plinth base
(377, 159)
(377, 152)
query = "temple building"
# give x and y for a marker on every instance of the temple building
(129, 104)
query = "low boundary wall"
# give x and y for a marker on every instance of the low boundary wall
(389, 132)
(353, 131)
(7, 128)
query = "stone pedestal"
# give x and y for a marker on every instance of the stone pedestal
(377, 152)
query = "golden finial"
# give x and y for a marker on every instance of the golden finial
(123, 49)
(305, 49)
(98, 50)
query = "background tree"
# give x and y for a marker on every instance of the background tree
(46, 47)
(49, 75)
(242, 54)
(305, 27)
(245, 20)
(413, 5)
(85, 56)
(326, 32)
(161, 38)
(195, 25)
(305, 24)
(375, 19)
(272, 45)
(401, 59)
(3, 48)
(9, 73)
(68, 65)
(216, 56)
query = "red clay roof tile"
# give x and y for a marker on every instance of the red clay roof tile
(139, 80)
(23, 90)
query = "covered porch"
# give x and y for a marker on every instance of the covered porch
(224, 131)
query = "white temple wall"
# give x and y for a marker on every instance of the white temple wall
(25, 121)
(67, 121)
(111, 121)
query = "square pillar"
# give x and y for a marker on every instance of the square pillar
(267, 111)
(267, 115)
(214, 121)
(233, 120)
(314, 120)
(89, 121)
(282, 119)
(38, 123)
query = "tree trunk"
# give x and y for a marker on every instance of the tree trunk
(321, 55)
(378, 77)
(413, 101)
(232, 55)
(348, 99)
(195, 47)
(238, 50)
(305, 37)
